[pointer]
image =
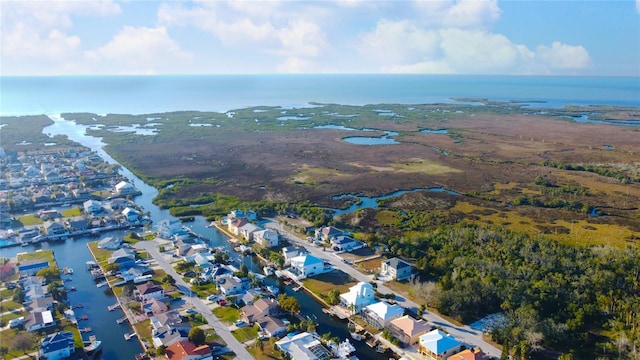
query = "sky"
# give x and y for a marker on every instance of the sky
(516, 37)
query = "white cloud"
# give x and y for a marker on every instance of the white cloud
(139, 50)
(295, 65)
(44, 15)
(21, 42)
(457, 13)
(563, 56)
(393, 41)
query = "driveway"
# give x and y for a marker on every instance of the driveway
(221, 329)
(463, 333)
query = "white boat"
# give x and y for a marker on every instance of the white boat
(344, 349)
(356, 336)
(268, 270)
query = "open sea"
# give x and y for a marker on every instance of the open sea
(154, 94)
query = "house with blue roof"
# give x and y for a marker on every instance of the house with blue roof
(306, 265)
(57, 346)
(438, 345)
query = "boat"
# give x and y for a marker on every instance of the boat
(73, 288)
(78, 306)
(84, 317)
(344, 349)
(92, 347)
(268, 270)
(356, 336)
(381, 348)
(85, 330)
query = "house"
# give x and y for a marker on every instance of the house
(31, 267)
(131, 214)
(396, 268)
(168, 228)
(57, 346)
(77, 223)
(259, 309)
(148, 291)
(81, 194)
(168, 336)
(249, 297)
(118, 204)
(470, 354)
(92, 207)
(54, 228)
(38, 319)
(247, 230)
(171, 319)
(327, 233)
(154, 306)
(438, 345)
(126, 258)
(306, 265)
(266, 238)
(186, 350)
(110, 243)
(35, 292)
(359, 296)
(40, 303)
(31, 281)
(304, 346)
(235, 225)
(407, 329)
(271, 326)
(344, 243)
(230, 286)
(28, 234)
(124, 188)
(381, 313)
(289, 252)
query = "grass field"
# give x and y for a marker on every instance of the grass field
(246, 333)
(30, 219)
(227, 314)
(323, 283)
(39, 255)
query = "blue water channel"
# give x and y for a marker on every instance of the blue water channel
(74, 254)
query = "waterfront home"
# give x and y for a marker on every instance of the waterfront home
(126, 258)
(30, 281)
(110, 243)
(239, 214)
(35, 292)
(53, 228)
(77, 223)
(168, 336)
(118, 204)
(169, 228)
(271, 326)
(249, 297)
(171, 318)
(155, 306)
(235, 225)
(124, 188)
(186, 350)
(247, 230)
(259, 309)
(381, 313)
(438, 345)
(326, 233)
(266, 238)
(38, 319)
(31, 267)
(5, 220)
(407, 329)
(345, 243)
(81, 194)
(92, 207)
(57, 346)
(396, 268)
(28, 234)
(148, 291)
(470, 354)
(358, 296)
(231, 285)
(289, 252)
(131, 214)
(40, 303)
(306, 265)
(304, 346)
(136, 273)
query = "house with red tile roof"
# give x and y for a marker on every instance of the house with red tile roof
(186, 350)
(407, 329)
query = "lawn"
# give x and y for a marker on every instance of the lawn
(227, 314)
(246, 334)
(71, 212)
(9, 305)
(37, 255)
(265, 352)
(143, 329)
(99, 254)
(30, 219)
(323, 283)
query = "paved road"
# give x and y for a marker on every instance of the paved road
(463, 333)
(221, 329)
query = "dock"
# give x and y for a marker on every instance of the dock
(129, 336)
(85, 330)
(113, 307)
(121, 320)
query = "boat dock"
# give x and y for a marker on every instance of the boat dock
(122, 320)
(113, 307)
(129, 336)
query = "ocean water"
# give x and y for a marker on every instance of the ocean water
(152, 94)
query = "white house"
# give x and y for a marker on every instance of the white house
(57, 346)
(247, 230)
(289, 252)
(235, 225)
(38, 319)
(110, 243)
(381, 313)
(231, 286)
(396, 268)
(266, 238)
(344, 243)
(124, 188)
(148, 291)
(326, 233)
(131, 214)
(168, 228)
(92, 206)
(306, 265)
(359, 296)
(304, 346)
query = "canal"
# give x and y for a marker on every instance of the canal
(74, 253)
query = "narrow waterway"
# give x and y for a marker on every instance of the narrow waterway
(115, 346)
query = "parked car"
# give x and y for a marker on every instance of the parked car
(222, 302)
(212, 297)
(191, 311)
(240, 323)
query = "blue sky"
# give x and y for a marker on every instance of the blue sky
(83, 37)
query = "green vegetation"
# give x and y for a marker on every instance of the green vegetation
(29, 220)
(227, 314)
(246, 333)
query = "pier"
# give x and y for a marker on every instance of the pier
(122, 320)
(113, 307)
